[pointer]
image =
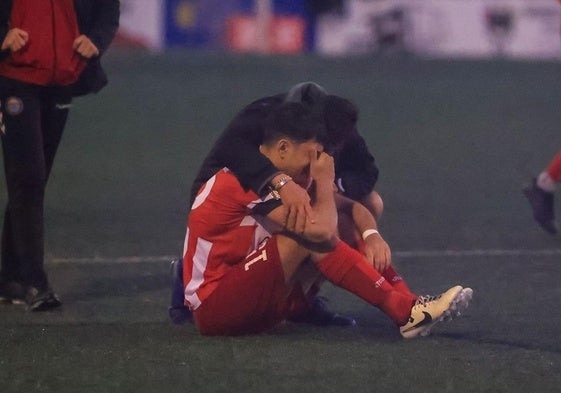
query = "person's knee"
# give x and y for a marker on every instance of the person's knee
(293, 252)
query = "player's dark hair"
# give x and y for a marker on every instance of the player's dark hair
(292, 120)
(340, 117)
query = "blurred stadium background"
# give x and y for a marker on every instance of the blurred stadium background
(436, 28)
(458, 99)
(459, 103)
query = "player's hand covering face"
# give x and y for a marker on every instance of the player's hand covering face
(299, 160)
(322, 166)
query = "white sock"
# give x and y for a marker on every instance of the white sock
(545, 182)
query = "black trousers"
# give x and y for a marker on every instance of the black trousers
(32, 123)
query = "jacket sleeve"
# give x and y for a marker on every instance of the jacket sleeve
(356, 170)
(5, 8)
(102, 26)
(99, 21)
(238, 149)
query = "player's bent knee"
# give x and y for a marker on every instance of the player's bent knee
(294, 251)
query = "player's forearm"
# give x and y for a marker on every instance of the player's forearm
(362, 218)
(324, 226)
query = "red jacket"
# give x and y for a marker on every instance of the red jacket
(48, 57)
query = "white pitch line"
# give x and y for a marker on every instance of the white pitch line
(129, 259)
(397, 254)
(477, 253)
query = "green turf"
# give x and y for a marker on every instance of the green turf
(112, 335)
(455, 141)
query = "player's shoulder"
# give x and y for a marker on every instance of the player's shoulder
(228, 184)
(224, 189)
(217, 187)
(226, 178)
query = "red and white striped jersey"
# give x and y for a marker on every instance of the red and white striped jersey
(221, 232)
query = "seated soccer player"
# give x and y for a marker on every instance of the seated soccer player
(244, 272)
(238, 149)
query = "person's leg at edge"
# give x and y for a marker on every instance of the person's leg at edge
(22, 246)
(540, 195)
(41, 122)
(551, 174)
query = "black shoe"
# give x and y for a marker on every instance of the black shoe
(12, 292)
(542, 206)
(321, 316)
(177, 311)
(41, 300)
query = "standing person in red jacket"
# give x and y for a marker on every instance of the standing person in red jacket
(50, 53)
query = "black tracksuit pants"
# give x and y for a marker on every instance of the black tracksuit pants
(33, 119)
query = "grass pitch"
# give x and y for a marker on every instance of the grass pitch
(455, 142)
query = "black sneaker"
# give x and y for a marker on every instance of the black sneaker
(12, 292)
(177, 311)
(41, 300)
(320, 315)
(542, 206)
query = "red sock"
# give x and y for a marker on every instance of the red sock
(396, 281)
(346, 268)
(554, 168)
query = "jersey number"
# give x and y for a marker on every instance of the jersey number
(260, 257)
